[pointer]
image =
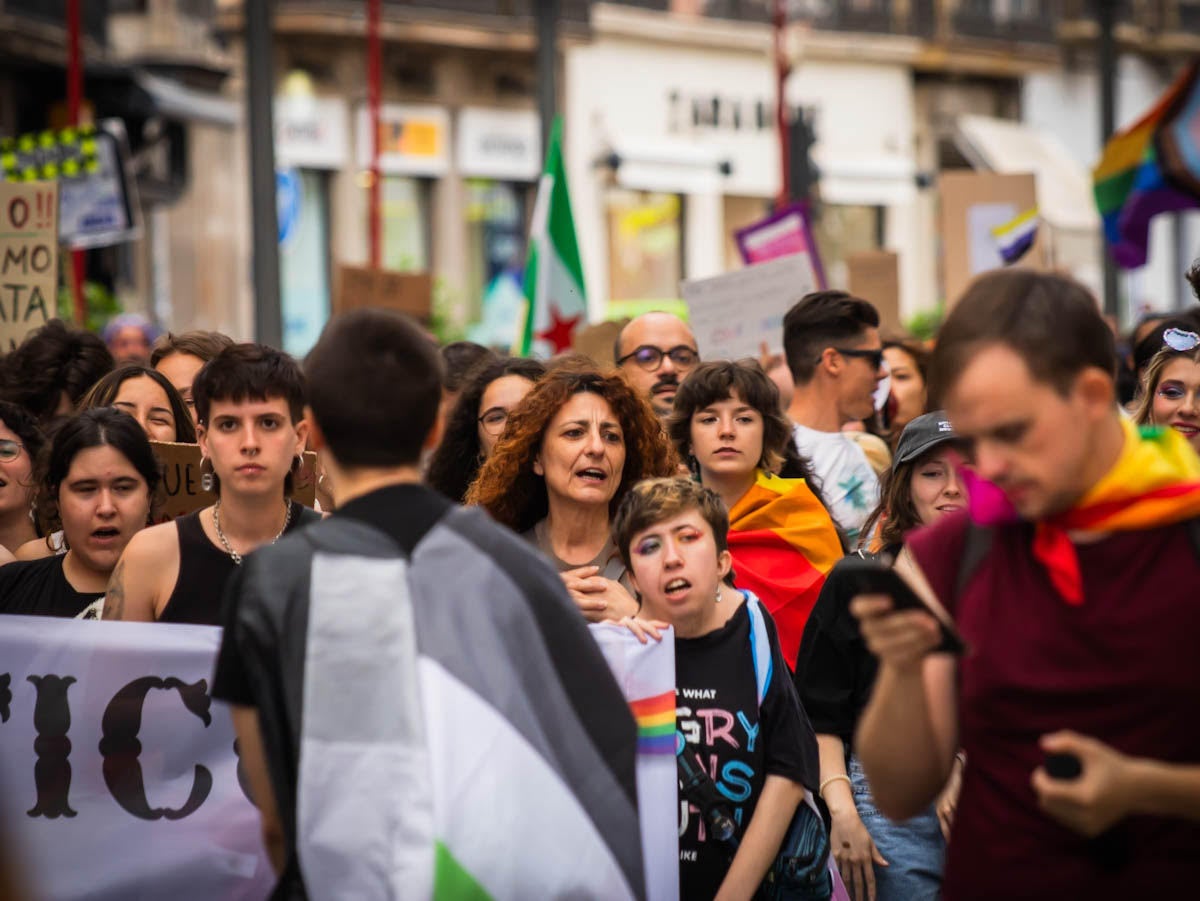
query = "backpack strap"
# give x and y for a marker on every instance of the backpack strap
(760, 646)
(1193, 527)
(976, 547)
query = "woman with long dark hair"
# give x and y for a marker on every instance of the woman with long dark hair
(97, 484)
(147, 396)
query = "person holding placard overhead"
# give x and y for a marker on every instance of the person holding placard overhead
(250, 407)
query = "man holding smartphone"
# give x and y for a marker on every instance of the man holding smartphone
(1073, 581)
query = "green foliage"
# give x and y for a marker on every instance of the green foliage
(102, 305)
(924, 325)
(446, 319)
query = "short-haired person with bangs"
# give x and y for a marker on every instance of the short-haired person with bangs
(738, 718)
(181, 357)
(250, 407)
(571, 451)
(421, 713)
(831, 341)
(728, 425)
(1072, 580)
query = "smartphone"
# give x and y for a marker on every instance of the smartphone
(877, 577)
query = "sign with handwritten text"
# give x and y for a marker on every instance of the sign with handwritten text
(28, 258)
(182, 477)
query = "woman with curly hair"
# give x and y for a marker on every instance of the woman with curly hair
(728, 425)
(477, 421)
(570, 453)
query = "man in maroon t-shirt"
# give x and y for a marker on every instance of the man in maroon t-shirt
(1024, 368)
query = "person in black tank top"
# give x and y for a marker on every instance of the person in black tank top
(249, 405)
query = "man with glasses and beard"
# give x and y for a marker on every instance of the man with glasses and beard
(655, 352)
(831, 341)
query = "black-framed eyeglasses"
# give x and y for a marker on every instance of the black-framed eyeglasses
(649, 357)
(9, 450)
(493, 420)
(874, 357)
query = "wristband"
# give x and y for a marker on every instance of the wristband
(826, 783)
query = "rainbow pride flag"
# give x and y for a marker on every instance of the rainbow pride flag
(655, 723)
(783, 543)
(1145, 168)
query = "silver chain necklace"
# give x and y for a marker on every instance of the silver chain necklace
(237, 558)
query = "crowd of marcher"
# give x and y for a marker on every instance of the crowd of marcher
(950, 621)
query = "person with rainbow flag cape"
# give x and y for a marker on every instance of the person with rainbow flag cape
(1071, 577)
(727, 423)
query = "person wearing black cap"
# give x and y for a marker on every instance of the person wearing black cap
(878, 859)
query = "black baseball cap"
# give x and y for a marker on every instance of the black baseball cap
(924, 434)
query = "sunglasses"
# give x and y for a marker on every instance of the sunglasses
(650, 358)
(874, 357)
(9, 450)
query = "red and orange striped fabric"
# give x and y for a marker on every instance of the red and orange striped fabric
(783, 543)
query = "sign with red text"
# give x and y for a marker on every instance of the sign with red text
(120, 774)
(28, 258)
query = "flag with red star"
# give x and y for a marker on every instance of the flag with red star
(555, 301)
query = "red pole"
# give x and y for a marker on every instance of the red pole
(74, 104)
(781, 73)
(374, 92)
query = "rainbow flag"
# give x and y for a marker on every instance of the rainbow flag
(1131, 184)
(655, 723)
(783, 543)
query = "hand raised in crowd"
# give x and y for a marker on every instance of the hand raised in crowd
(947, 801)
(855, 852)
(598, 598)
(644, 629)
(1099, 797)
(900, 639)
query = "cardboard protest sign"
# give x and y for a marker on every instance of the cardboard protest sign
(973, 204)
(596, 341)
(28, 258)
(731, 315)
(181, 480)
(405, 292)
(874, 275)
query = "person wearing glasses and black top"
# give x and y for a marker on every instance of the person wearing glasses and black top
(20, 443)
(831, 341)
(655, 352)
(477, 421)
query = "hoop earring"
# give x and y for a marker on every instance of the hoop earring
(298, 463)
(208, 480)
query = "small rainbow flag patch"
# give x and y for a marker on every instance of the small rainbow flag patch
(656, 723)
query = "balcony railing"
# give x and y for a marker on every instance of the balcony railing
(1013, 21)
(93, 14)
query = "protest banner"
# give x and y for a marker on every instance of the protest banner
(28, 258)
(405, 292)
(646, 675)
(120, 775)
(781, 234)
(874, 275)
(731, 315)
(596, 341)
(973, 204)
(181, 480)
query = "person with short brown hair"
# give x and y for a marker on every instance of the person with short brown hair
(181, 357)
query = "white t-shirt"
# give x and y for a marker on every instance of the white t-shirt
(848, 483)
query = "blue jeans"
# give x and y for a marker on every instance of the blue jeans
(914, 849)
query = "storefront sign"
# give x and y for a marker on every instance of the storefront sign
(413, 140)
(503, 144)
(311, 132)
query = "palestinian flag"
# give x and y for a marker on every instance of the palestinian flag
(556, 304)
(783, 543)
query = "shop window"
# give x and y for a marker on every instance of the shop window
(843, 230)
(495, 216)
(740, 212)
(404, 209)
(645, 245)
(303, 200)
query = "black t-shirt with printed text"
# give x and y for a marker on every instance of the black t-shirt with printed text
(739, 744)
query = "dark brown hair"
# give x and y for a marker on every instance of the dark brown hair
(244, 372)
(820, 320)
(710, 383)
(1051, 321)
(104, 394)
(655, 500)
(456, 462)
(509, 489)
(199, 344)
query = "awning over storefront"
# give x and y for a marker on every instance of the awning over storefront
(1064, 190)
(667, 166)
(175, 100)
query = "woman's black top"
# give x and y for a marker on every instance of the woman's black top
(40, 588)
(204, 569)
(834, 669)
